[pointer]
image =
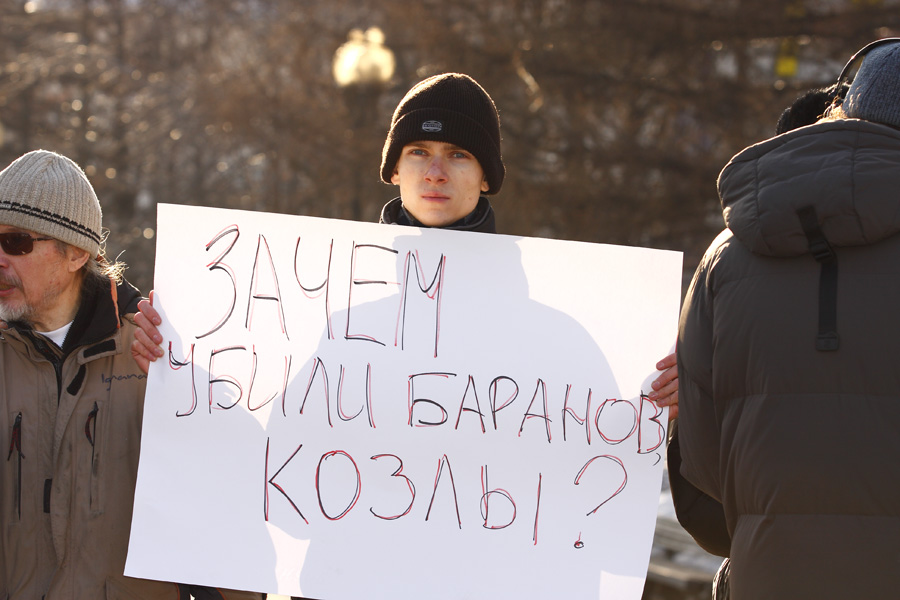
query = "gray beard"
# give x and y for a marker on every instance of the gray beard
(19, 313)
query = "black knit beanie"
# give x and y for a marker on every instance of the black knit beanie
(450, 108)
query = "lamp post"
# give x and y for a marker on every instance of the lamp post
(362, 66)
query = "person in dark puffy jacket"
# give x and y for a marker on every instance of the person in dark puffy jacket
(789, 399)
(695, 510)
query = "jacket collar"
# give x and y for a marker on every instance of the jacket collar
(481, 219)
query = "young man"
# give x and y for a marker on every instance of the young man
(71, 395)
(443, 152)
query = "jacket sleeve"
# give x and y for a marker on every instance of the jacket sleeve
(701, 515)
(696, 485)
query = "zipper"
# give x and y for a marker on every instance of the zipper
(15, 443)
(90, 431)
(44, 349)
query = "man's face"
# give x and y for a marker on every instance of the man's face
(439, 183)
(40, 286)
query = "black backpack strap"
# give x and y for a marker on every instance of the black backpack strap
(827, 339)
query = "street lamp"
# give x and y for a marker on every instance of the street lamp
(363, 60)
(362, 66)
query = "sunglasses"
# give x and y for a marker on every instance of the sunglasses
(18, 243)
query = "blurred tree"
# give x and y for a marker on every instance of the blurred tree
(617, 115)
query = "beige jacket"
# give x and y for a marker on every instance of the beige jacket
(70, 423)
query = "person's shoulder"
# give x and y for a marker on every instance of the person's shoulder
(9, 336)
(725, 259)
(127, 297)
(722, 245)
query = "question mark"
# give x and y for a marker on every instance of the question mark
(614, 494)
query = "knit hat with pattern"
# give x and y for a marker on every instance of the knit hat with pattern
(47, 193)
(875, 92)
(451, 108)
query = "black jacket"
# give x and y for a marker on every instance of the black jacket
(481, 219)
(795, 439)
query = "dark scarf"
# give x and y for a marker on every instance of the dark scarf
(481, 219)
(102, 303)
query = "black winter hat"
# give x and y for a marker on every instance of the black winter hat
(451, 108)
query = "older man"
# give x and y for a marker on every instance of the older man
(71, 394)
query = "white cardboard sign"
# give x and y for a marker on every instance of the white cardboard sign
(351, 410)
